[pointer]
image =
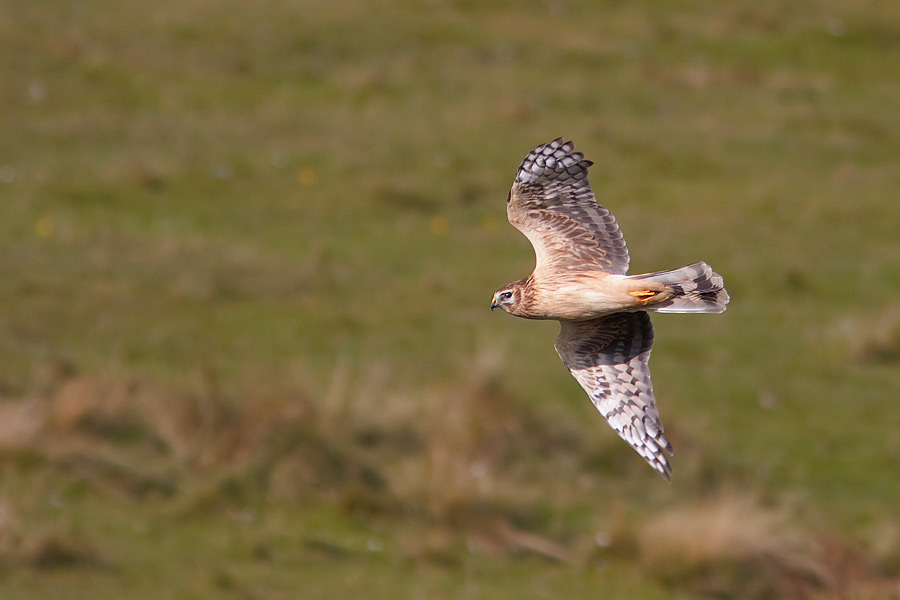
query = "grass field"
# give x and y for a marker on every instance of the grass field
(246, 257)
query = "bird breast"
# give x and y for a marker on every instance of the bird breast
(580, 296)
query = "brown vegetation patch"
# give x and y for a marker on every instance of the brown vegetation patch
(735, 542)
(469, 470)
(41, 547)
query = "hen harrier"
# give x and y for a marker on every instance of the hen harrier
(580, 281)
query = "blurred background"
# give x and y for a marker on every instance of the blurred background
(246, 258)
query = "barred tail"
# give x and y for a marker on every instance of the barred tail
(696, 289)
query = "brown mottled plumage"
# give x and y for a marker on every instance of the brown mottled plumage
(579, 279)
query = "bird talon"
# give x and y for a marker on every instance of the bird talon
(643, 295)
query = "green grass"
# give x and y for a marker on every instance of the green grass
(246, 253)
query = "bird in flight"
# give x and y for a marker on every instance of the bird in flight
(579, 280)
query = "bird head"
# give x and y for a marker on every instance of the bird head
(506, 298)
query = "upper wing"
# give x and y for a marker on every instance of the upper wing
(552, 203)
(608, 357)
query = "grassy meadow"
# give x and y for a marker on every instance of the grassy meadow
(246, 257)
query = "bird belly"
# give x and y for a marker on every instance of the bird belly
(583, 298)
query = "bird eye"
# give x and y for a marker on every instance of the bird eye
(506, 295)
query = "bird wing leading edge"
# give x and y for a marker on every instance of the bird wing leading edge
(552, 203)
(608, 357)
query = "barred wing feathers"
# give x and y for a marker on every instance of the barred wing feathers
(608, 357)
(552, 203)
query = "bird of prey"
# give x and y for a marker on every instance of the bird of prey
(579, 280)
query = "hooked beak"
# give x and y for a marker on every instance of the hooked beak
(494, 303)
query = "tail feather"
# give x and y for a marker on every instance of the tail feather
(695, 289)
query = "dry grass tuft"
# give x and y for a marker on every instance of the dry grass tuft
(135, 437)
(451, 454)
(9, 534)
(55, 551)
(481, 452)
(880, 339)
(872, 339)
(467, 470)
(473, 461)
(40, 547)
(734, 544)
